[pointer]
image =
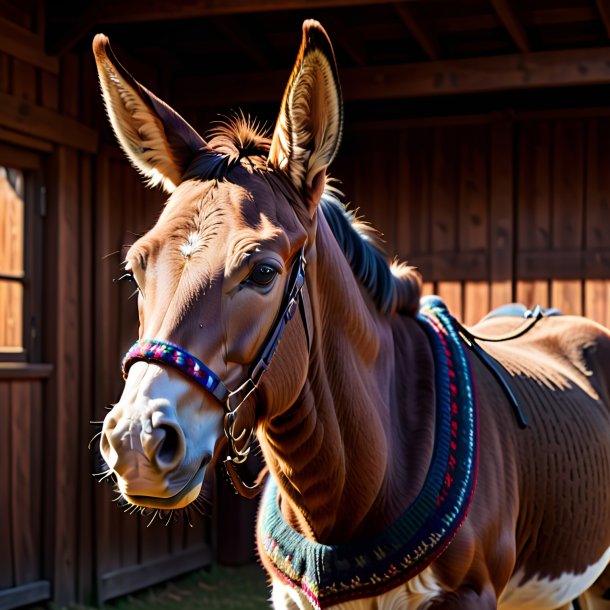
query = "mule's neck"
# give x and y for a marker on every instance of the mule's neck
(338, 452)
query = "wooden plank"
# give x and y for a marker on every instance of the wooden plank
(49, 90)
(604, 12)
(24, 370)
(597, 301)
(375, 185)
(420, 30)
(473, 178)
(501, 214)
(115, 11)
(26, 46)
(597, 211)
(568, 184)
(69, 86)
(567, 296)
(6, 539)
(123, 581)
(563, 264)
(23, 512)
(428, 288)
(6, 67)
(544, 69)
(353, 46)
(86, 522)
(476, 301)
(106, 383)
(533, 293)
(415, 175)
(24, 81)
(511, 22)
(66, 313)
(38, 482)
(445, 190)
(501, 292)
(452, 266)
(46, 124)
(27, 594)
(20, 139)
(452, 294)
(534, 196)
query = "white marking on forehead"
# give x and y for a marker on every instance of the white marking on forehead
(546, 594)
(193, 243)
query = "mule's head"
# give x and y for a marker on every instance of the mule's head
(214, 271)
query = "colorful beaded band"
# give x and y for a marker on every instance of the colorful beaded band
(151, 350)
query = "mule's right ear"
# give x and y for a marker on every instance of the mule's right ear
(155, 138)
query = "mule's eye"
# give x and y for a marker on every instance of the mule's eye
(262, 275)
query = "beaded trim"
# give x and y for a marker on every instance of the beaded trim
(152, 350)
(331, 574)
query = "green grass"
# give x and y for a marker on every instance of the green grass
(219, 588)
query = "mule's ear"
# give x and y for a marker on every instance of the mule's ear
(308, 129)
(157, 140)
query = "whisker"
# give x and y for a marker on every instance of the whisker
(93, 438)
(110, 254)
(153, 518)
(107, 475)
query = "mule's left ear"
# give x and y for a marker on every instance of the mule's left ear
(308, 129)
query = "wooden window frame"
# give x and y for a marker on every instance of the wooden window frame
(31, 164)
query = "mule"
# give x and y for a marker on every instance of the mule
(268, 310)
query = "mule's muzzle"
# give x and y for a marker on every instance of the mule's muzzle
(147, 455)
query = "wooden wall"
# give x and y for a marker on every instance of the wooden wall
(492, 210)
(23, 577)
(61, 536)
(130, 555)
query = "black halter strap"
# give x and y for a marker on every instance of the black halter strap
(494, 367)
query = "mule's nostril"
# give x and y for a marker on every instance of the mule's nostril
(170, 449)
(169, 444)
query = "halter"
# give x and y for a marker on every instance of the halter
(163, 352)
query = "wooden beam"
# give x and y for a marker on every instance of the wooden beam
(23, 44)
(351, 44)
(426, 40)
(20, 139)
(603, 7)
(509, 19)
(25, 594)
(66, 37)
(243, 38)
(45, 124)
(565, 68)
(118, 11)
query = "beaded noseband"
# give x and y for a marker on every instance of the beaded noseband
(162, 352)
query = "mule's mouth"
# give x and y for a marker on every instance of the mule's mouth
(189, 493)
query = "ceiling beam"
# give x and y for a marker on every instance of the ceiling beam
(603, 7)
(573, 67)
(510, 21)
(418, 29)
(256, 48)
(119, 11)
(351, 44)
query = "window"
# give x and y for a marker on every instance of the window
(20, 251)
(12, 254)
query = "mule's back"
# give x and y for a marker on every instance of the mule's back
(560, 374)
